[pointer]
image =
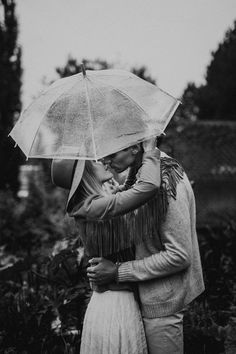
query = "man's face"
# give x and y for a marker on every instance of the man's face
(121, 160)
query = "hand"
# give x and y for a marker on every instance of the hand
(103, 272)
(111, 187)
(149, 144)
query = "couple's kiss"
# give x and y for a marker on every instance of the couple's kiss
(141, 240)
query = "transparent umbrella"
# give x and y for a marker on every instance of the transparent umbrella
(92, 114)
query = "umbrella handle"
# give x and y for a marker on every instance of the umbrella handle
(83, 69)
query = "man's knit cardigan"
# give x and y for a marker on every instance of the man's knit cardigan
(168, 267)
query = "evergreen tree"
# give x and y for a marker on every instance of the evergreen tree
(215, 100)
(10, 104)
(188, 111)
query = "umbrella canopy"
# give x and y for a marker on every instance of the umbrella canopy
(92, 114)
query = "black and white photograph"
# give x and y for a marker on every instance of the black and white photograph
(117, 177)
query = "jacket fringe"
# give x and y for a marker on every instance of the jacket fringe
(118, 235)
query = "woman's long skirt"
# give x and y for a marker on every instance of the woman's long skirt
(113, 324)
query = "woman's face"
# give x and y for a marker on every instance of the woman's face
(101, 172)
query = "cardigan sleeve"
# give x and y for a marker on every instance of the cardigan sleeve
(176, 238)
(99, 207)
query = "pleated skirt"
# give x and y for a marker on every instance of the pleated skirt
(113, 325)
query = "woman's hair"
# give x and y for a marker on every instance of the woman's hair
(89, 185)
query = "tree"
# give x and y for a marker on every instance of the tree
(189, 109)
(73, 67)
(216, 99)
(143, 74)
(10, 85)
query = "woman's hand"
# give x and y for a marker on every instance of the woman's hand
(149, 144)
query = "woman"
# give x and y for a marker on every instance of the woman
(113, 322)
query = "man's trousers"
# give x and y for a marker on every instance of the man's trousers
(165, 334)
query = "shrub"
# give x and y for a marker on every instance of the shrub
(42, 311)
(211, 313)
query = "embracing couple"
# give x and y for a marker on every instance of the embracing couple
(141, 240)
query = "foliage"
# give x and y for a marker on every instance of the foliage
(189, 109)
(43, 296)
(215, 100)
(218, 249)
(10, 85)
(42, 311)
(213, 310)
(143, 74)
(42, 308)
(39, 220)
(217, 97)
(43, 289)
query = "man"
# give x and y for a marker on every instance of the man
(167, 266)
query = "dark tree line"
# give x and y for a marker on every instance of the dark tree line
(10, 103)
(215, 100)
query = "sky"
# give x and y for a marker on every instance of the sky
(174, 39)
